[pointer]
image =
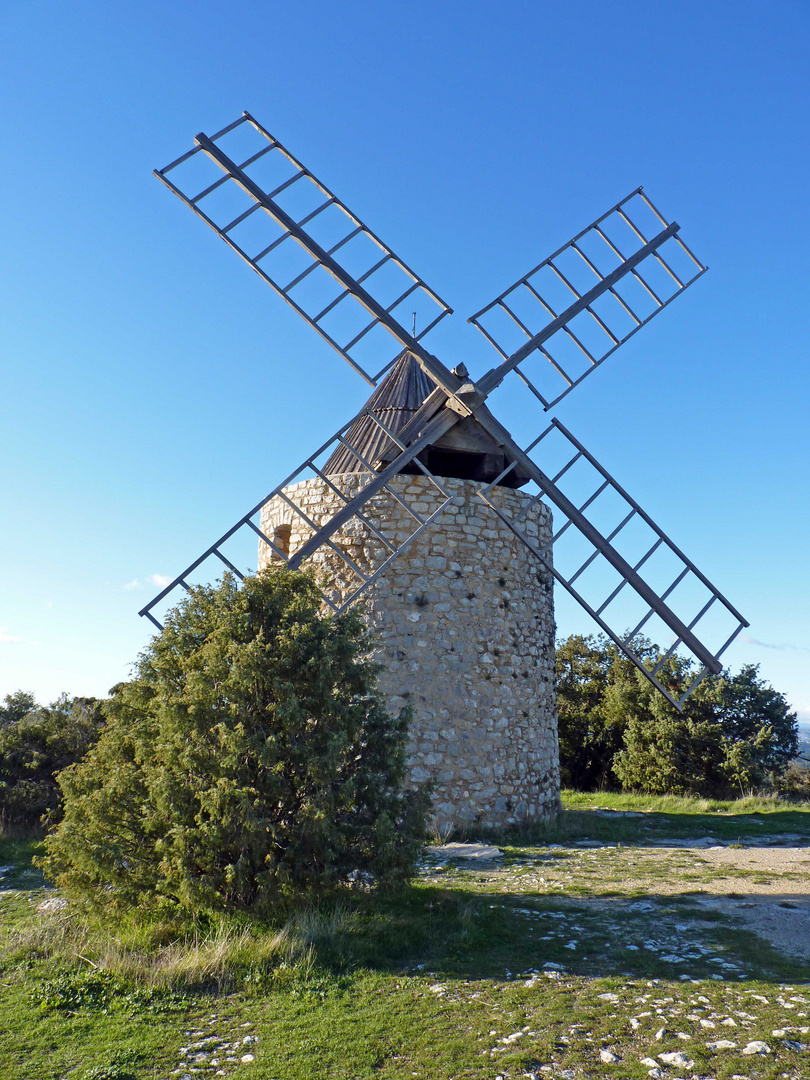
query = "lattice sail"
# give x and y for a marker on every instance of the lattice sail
(305, 243)
(365, 496)
(621, 567)
(584, 301)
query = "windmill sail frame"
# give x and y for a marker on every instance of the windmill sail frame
(351, 289)
(583, 302)
(456, 397)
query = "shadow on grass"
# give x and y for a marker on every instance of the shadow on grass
(449, 932)
(17, 849)
(648, 828)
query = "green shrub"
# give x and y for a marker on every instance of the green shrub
(71, 991)
(121, 1066)
(735, 733)
(250, 761)
(794, 783)
(36, 742)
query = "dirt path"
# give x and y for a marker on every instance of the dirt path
(777, 907)
(763, 886)
(774, 861)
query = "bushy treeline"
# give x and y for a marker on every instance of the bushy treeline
(36, 743)
(735, 733)
(251, 758)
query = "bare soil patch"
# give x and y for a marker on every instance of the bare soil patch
(776, 893)
(778, 861)
(762, 885)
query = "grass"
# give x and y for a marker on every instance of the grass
(536, 964)
(673, 804)
(615, 817)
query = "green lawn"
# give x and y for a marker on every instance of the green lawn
(553, 961)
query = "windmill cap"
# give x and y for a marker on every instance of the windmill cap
(466, 452)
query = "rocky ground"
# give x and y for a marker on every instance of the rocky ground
(760, 883)
(716, 915)
(627, 945)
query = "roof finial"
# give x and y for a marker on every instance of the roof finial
(414, 324)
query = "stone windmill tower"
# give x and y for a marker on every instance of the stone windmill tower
(464, 617)
(428, 508)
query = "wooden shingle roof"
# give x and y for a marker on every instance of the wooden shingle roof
(395, 401)
(466, 451)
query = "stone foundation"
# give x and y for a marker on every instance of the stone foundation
(464, 619)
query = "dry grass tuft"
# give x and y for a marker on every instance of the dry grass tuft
(221, 956)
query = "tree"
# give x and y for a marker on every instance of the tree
(15, 706)
(587, 741)
(596, 685)
(735, 732)
(249, 761)
(759, 726)
(666, 751)
(36, 742)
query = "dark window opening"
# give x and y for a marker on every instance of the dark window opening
(281, 540)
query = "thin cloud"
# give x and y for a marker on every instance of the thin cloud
(6, 638)
(769, 645)
(134, 584)
(160, 580)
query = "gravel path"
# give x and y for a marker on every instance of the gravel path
(778, 909)
(778, 861)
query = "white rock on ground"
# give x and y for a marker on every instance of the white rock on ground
(676, 1057)
(48, 907)
(757, 1047)
(479, 852)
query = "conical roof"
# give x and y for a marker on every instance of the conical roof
(466, 451)
(395, 401)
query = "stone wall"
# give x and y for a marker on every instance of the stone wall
(465, 623)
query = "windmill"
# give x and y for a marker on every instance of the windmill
(427, 446)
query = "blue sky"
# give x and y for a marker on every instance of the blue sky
(152, 387)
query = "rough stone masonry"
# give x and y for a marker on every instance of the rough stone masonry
(464, 621)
